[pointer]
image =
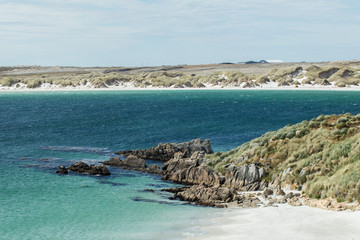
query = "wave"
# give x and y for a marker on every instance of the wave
(100, 151)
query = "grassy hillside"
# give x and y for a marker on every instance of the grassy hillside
(321, 157)
(340, 75)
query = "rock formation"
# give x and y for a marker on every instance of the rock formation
(245, 178)
(62, 170)
(134, 163)
(191, 170)
(165, 152)
(82, 167)
(186, 164)
(207, 196)
(131, 162)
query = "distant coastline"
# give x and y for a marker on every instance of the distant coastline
(258, 76)
(262, 87)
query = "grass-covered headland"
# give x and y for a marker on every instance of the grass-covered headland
(320, 157)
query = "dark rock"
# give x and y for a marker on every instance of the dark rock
(79, 167)
(62, 170)
(148, 190)
(82, 167)
(99, 170)
(165, 152)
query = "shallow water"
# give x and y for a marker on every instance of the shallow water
(40, 131)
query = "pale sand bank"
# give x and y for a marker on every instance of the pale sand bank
(283, 222)
(132, 88)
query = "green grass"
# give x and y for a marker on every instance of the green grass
(323, 155)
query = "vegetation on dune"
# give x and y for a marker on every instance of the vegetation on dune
(321, 157)
(295, 76)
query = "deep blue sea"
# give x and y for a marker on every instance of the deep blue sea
(42, 130)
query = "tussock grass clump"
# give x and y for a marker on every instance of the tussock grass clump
(262, 79)
(323, 156)
(34, 84)
(8, 81)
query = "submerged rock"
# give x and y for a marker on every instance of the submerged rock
(62, 170)
(131, 162)
(165, 152)
(82, 167)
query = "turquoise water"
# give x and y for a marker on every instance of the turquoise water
(40, 131)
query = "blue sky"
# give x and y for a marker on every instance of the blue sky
(170, 32)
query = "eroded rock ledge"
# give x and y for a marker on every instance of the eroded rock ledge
(166, 151)
(236, 186)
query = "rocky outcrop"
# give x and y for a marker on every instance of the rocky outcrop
(207, 196)
(81, 167)
(245, 177)
(193, 170)
(209, 187)
(165, 152)
(131, 162)
(155, 169)
(134, 163)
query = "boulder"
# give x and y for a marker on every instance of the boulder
(165, 152)
(100, 169)
(207, 196)
(134, 162)
(82, 167)
(244, 178)
(79, 167)
(154, 169)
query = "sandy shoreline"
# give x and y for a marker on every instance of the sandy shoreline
(283, 222)
(121, 88)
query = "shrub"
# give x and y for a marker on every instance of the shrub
(34, 84)
(8, 81)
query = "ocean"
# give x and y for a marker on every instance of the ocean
(41, 130)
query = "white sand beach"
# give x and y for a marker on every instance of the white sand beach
(131, 87)
(283, 222)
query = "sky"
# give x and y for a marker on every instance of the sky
(173, 32)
